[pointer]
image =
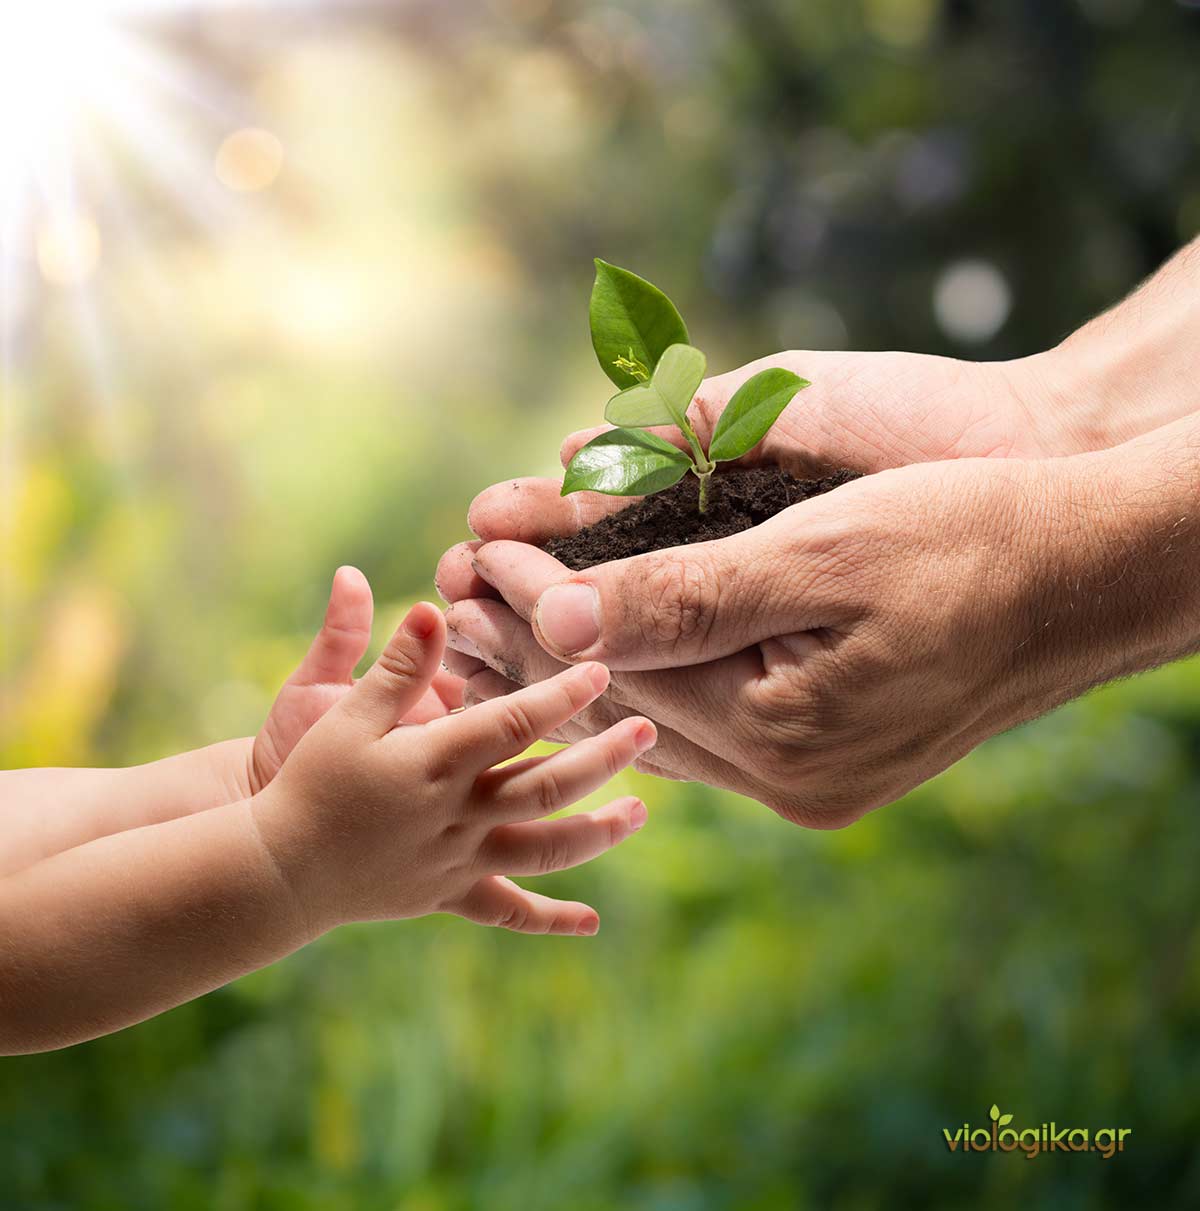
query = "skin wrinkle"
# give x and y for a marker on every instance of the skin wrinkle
(366, 819)
(921, 754)
(603, 713)
(974, 593)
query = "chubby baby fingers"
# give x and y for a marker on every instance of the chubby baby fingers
(542, 785)
(501, 903)
(542, 846)
(505, 727)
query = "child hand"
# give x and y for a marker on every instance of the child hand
(326, 674)
(367, 820)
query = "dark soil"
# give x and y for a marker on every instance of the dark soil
(737, 500)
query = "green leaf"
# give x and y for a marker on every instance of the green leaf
(633, 324)
(994, 1112)
(625, 462)
(755, 407)
(638, 406)
(665, 398)
(677, 378)
(1005, 1119)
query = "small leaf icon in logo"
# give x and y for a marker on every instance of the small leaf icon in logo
(994, 1112)
(1005, 1119)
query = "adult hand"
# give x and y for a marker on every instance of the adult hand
(832, 658)
(858, 642)
(863, 410)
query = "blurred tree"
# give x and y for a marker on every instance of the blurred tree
(328, 372)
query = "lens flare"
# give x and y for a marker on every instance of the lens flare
(53, 63)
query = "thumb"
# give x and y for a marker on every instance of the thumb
(344, 635)
(397, 681)
(680, 606)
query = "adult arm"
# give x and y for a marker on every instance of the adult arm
(831, 659)
(1074, 569)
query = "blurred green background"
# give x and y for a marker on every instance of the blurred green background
(245, 370)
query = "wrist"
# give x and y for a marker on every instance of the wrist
(230, 762)
(299, 858)
(1115, 379)
(1118, 559)
(186, 782)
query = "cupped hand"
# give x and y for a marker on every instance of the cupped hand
(326, 675)
(826, 661)
(869, 411)
(865, 411)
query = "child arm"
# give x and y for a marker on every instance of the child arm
(46, 811)
(366, 820)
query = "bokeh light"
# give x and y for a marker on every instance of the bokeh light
(971, 300)
(327, 368)
(249, 160)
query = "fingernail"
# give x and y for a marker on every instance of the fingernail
(637, 815)
(586, 929)
(645, 737)
(421, 621)
(597, 675)
(568, 616)
(456, 641)
(480, 571)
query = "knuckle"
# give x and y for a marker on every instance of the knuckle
(549, 795)
(513, 916)
(799, 713)
(517, 724)
(398, 661)
(553, 856)
(683, 599)
(615, 829)
(613, 764)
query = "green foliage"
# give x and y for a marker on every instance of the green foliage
(626, 462)
(627, 312)
(665, 399)
(770, 1019)
(633, 324)
(755, 407)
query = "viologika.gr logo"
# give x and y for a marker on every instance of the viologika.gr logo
(1048, 1137)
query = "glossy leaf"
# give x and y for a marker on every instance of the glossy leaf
(755, 407)
(625, 462)
(664, 400)
(633, 324)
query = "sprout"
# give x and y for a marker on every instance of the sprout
(642, 345)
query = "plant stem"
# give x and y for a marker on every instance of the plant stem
(704, 478)
(703, 466)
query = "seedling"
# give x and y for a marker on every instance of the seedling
(642, 345)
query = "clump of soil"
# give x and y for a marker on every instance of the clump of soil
(737, 500)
